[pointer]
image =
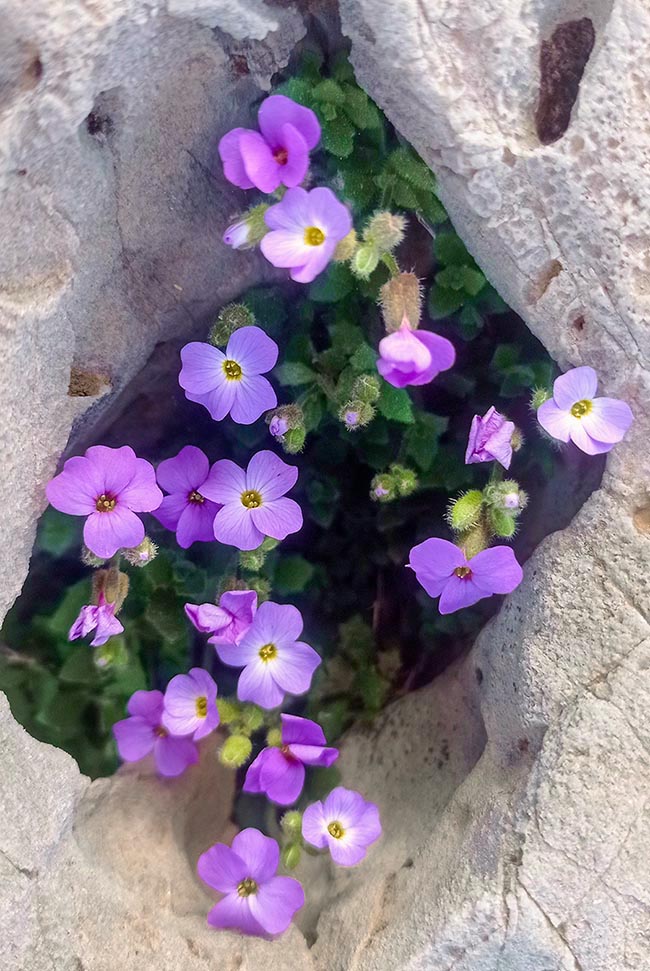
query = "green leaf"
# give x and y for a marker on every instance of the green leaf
(373, 689)
(443, 302)
(165, 614)
(473, 280)
(292, 574)
(470, 322)
(60, 622)
(333, 285)
(395, 404)
(79, 668)
(450, 250)
(297, 89)
(364, 359)
(57, 532)
(269, 307)
(294, 374)
(359, 185)
(313, 408)
(505, 356)
(421, 440)
(338, 136)
(404, 195)
(362, 112)
(328, 111)
(451, 278)
(431, 208)
(329, 92)
(406, 164)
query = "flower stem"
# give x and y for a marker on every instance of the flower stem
(389, 260)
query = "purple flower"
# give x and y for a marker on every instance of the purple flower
(595, 425)
(256, 901)
(344, 823)
(229, 621)
(410, 356)
(186, 510)
(144, 732)
(231, 382)
(253, 503)
(490, 439)
(100, 618)
(237, 235)
(108, 485)
(444, 571)
(273, 658)
(276, 155)
(280, 772)
(278, 426)
(191, 705)
(306, 227)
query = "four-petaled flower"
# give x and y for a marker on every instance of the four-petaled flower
(227, 622)
(253, 502)
(280, 772)
(305, 229)
(256, 901)
(344, 823)
(276, 155)
(595, 425)
(186, 510)
(100, 618)
(108, 485)
(191, 705)
(231, 382)
(411, 356)
(444, 571)
(144, 733)
(490, 439)
(275, 662)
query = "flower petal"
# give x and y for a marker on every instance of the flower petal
(147, 704)
(460, 592)
(286, 247)
(264, 171)
(234, 526)
(292, 213)
(274, 624)
(281, 778)
(260, 853)
(134, 737)
(275, 903)
(315, 264)
(576, 385)
(74, 490)
(202, 369)
(113, 467)
(314, 754)
(170, 510)
(328, 213)
(301, 731)
(253, 396)
(555, 421)
(254, 771)
(269, 475)
(219, 401)
(196, 523)
(443, 355)
(233, 164)
(278, 110)
(496, 570)
(253, 350)
(294, 667)
(235, 912)
(256, 684)
(174, 755)
(278, 518)
(314, 825)
(225, 482)
(344, 805)
(221, 868)
(141, 494)
(434, 561)
(296, 166)
(107, 626)
(184, 472)
(107, 532)
(608, 420)
(584, 441)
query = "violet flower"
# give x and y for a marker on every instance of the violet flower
(410, 356)
(108, 486)
(280, 772)
(144, 733)
(490, 439)
(275, 662)
(191, 705)
(253, 502)
(444, 571)
(227, 622)
(186, 510)
(100, 618)
(595, 425)
(237, 235)
(344, 823)
(231, 382)
(305, 230)
(255, 900)
(276, 155)
(278, 426)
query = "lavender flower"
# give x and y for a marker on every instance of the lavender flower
(231, 383)
(191, 705)
(227, 622)
(100, 618)
(253, 503)
(595, 425)
(185, 509)
(411, 356)
(275, 662)
(280, 772)
(490, 439)
(108, 486)
(276, 155)
(237, 235)
(144, 733)
(444, 571)
(306, 227)
(255, 901)
(278, 426)
(344, 823)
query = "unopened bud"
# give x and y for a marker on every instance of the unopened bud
(474, 540)
(230, 319)
(88, 558)
(252, 560)
(291, 856)
(365, 260)
(405, 480)
(506, 495)
(274, 738)
(294, 441)
(229, 711)
(401, 297)
(465, 512)
(252, 718)
(291, 824)
(248, 230)
(356, 414)
(386, 230)
(112, 654)
(235, 751)
(112, 584)
(143, 554)
(346, 247)
(366, 388)
(502, 523)
(382, 488)
(260, 585)
(517, 439)
(539, 396)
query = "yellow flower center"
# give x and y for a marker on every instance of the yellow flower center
(251, 499)
(462, 572)
(581, 408)
(336, 830)
(232, 370)
(195, 496)
(105, 503)
(268, 652)
(201, 707)
(314, 236)
(247, 887)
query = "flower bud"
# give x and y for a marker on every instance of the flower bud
(252, 718)
(465, 512)
(278, 426)
(260, 585)
(112, 654)
(229, 710)
(506, 495)
(253, 560)
(517, 440)
(291, 824)
(365, 260)
(539, 396)
(248, 230)
(502, 523)
(386, 230)
(401, 297)
(274, 738)
(346, 248)
(366, 388)
(230, 319)
(112, 584)
(143, 554)
(382, 488)
(235, 751)
(474, 540)
(291, 856)
(294, 441)
(405, 480)
(88, 558)
(356, 414)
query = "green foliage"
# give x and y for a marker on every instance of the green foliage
(460, 288)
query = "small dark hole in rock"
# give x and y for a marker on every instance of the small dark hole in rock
(98, 125)
(579, 323)
(35, 69)
(562, 63)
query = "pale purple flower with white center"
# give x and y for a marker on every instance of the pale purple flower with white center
(444, 571)
(186, 510)
(410, 356)
(100, 618)
(231, 382)
(237, 235)
(278, 426)
(144, 733)
(108, 486)
(191, 705)
(253, 502)
(227, 622)
(305, 230)
(275, 662)
(344, 823)
(490, 439)
(255, 901)
(280, 772)
(276, 155)
(595, 425)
